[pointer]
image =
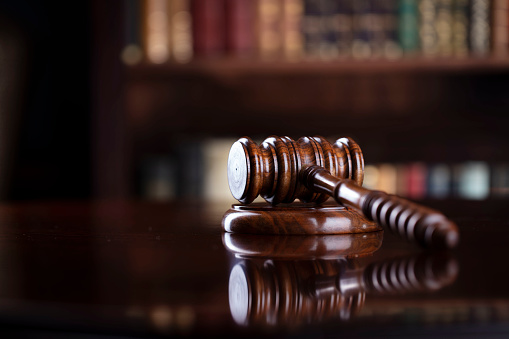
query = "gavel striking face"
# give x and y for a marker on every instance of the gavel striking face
(272, 170)
(312, 169)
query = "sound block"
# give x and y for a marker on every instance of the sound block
(263, 218)
(309, 247)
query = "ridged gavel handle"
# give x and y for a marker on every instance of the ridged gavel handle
(417, 223)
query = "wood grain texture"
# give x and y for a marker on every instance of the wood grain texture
(261, 218)
(303, 247)
(311, 169)
(272, 169)
(414, 222)
(272, 291)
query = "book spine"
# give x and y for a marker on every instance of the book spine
(428, 28)
(363, 29)
(439, 181)
(378, 32)
(190, 160)
(132, 52)
(444, 27)
(292, 33)
(311, 28)
(344, 28)
(460, 28)
(408, 26)
(329, 44)
(181, 31)
(480, 27)
(215, 153)
(208, 27)
(389, 11)
(388, 178)
(240, 27)
(500, 28)
(402, 180)
(269, 19)
(158, 178)
(371, 177)
(473, 180)
(416, 181)
(500, 181)
(156, 31)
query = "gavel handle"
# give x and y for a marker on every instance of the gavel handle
(417, 223)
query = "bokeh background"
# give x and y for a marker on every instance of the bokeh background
(142, 99)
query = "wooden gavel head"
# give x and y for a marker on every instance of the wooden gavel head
(273, 168)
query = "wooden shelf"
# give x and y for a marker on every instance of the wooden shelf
(236, 67)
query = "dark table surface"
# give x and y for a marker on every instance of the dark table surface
(139, 269)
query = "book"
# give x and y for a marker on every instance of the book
(408, 26)
(439, 181)
(293, 44)
(371, 177)
(362, 29)
(416, 176)
(428, 28)
(377, 27)
(208, 24)
(460, 28)
(156, 29)
(444, 28)
(240, 27)
(500, 181)
(190, 169)
(389, 21)
(158, 178)
(329, 48)
(215, 152)
(132, 52)
(311, 28)
(473, 180)
(181, 36)
(401, 180)
(388, 180)
(500, 28)
(480, 27)
(344, 28)
(269, 24)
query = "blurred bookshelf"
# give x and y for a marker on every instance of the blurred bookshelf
(413, 82)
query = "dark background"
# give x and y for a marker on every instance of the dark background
(52, 149)
(77, 134)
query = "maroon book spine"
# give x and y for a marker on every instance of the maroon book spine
(208, 27)
(240, 27)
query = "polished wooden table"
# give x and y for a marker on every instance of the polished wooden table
(139, 269)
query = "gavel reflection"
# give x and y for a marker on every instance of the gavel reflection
(312, 169)
(283, 290)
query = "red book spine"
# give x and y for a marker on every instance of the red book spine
(416, 181)
(240, 27)
(208, 27)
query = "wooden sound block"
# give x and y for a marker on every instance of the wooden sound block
(262, 218)
(299, 247)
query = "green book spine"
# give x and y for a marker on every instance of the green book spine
(408, 28)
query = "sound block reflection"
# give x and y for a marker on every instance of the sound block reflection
(296, 218)
(289, 288)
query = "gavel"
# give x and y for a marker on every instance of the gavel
(312, 169)
(292, 292)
